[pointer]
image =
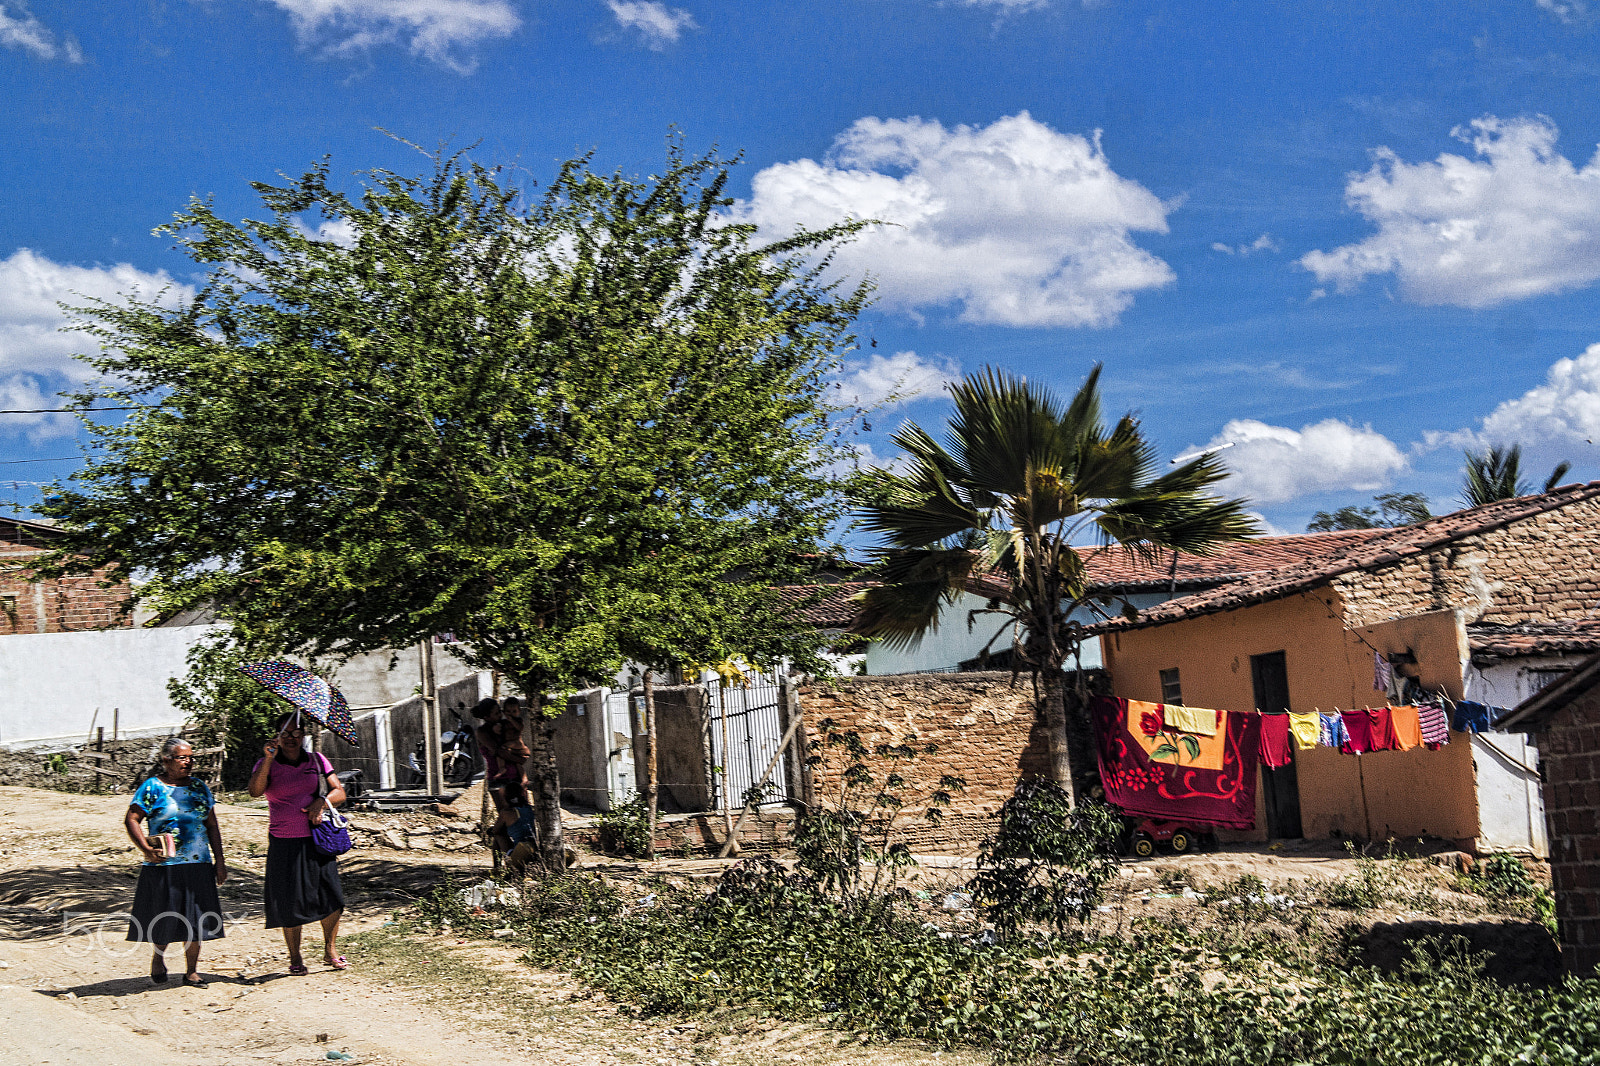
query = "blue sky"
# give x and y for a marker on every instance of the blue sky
(1346, 238)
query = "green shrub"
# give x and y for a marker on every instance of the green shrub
(1047, 862)
(625, 829)
(774, 941)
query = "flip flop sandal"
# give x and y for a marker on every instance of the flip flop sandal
(339, 963)
(198, 982)
(159, 977)
(298, 970)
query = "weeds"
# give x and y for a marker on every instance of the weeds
(771, 940)
(1048, 862)
(1368, 887)
(625, 829)
(1507, 885)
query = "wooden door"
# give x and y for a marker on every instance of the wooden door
(1280, 787)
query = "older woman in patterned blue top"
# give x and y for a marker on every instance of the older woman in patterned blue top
(176, 899)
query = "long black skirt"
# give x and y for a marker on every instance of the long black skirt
(302, 884)
(176, 903)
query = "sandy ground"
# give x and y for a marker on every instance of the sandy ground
(73, 993)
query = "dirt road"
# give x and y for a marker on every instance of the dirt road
(73, 993)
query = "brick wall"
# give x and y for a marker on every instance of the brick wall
(67, 605)
(1543, 568)
(1569, 750)
(983, 726)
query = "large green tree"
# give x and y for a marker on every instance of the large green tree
(439, 404)
(998, 505)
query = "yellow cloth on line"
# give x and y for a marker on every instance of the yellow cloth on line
(1303, 726)
(1195, 720)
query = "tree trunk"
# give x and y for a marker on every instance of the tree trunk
(544, 787)
(650, 784)
(1054, 683)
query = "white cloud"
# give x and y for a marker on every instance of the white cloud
(1271, 464)
(434, 29)
(340, 231)
(895, 380)
(32, 287)
(1564, 410)
(1263, 243)
(657, 23)
(1518, 221)
(1019, 224)
(1568, 11)
(22, 31)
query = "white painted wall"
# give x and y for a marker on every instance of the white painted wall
(949, 645)
(1506, 765)
(53, 682)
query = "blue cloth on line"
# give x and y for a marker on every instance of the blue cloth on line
(1332, 733)
(1470, 716)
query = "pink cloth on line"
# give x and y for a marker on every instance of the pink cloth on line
(1275, 740)
(290, 788)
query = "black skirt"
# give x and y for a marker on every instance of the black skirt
(176, 904)
(302, 884)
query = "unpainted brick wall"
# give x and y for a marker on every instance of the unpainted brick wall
(1542, 569)
(1569, 750)
(62, 606)
(984, 728)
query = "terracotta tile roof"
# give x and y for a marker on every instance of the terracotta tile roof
(835, 609)
(1119, 569)
(1490, 641)
(1387, 547)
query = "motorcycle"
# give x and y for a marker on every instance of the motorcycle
(458, 753)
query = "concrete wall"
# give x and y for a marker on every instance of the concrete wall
(53, 682)
(1511, 795)
(983, 728)
(1571, 747)
(378, 679)
(1391, 793)
(579, 738)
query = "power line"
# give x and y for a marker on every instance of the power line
(67, 410)
(57, 459)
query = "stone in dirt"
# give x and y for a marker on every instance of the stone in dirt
(392, 838)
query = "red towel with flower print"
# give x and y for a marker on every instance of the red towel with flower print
(1155, 772)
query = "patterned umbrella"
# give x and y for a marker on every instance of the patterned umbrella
(307, 691)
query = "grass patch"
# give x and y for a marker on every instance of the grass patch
(774, 943)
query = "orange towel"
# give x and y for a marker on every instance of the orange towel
(1407, 727)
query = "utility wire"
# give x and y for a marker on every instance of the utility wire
(67, 410)
(57, 459)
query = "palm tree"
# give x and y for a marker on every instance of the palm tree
(1496, 474)
(1018, 479)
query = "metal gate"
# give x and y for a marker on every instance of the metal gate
(746, 728)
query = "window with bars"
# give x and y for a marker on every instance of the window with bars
(1171, 687)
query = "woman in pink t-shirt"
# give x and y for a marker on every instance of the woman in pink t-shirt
(301, 883)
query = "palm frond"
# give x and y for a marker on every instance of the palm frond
(915, 585)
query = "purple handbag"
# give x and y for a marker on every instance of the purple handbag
(331, 835)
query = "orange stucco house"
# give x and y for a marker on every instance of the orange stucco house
(1438, 598)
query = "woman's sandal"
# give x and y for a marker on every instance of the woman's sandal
(198, 982)
(158, 972)
(338, 962)
(298, 970)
